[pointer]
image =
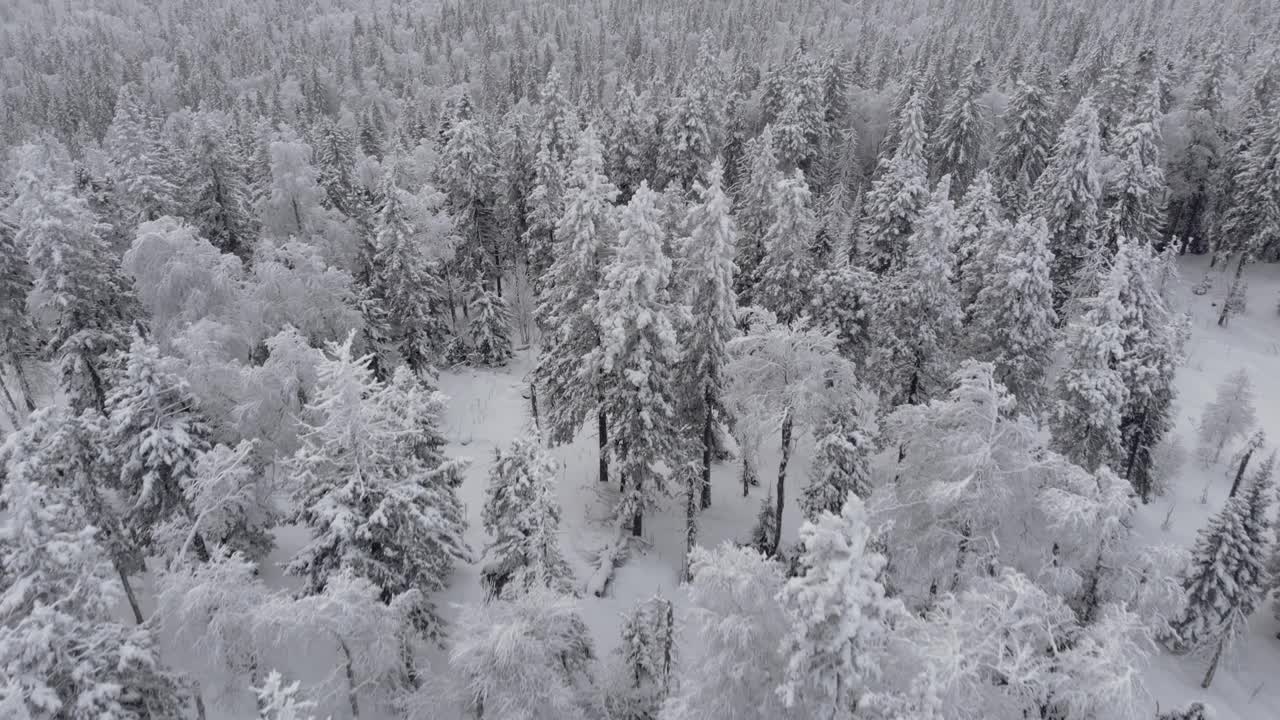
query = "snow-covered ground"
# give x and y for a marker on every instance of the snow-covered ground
(488, 409)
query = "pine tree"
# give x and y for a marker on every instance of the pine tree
(638, 350)
(523, 517)
(957, 141)
(841, 616)
(918, 308)
(335, 159)
(687, 146)
(18, 339)
(753, 211)
(898, 197)
(1224, 583)
(787, 268)
(144, 169)
(1228, 417)
(490, 328)
(155, 436)
(61, 651)
(645, 661)
(1068, 195)
(89, 300)
(373, 506)
(1193, 172)
(1013, 317)
(1024, 143)
(1245, 182)
(218, 193)
(567, 311)
(841, 458)
(1090, 394)
(546, 203)
(468, 176)
(708, 260)
(983, 234)
(1134, 190)
(407, 284)
(633, 140)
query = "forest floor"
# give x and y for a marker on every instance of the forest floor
(488, 409)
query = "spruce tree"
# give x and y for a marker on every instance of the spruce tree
(1090, 394)
(898, 196)
(787, 268)
(155, 437)
(753, 210)
(490, 328)
(1013, 319)
(957, 141)
(645, 661)
(1193, 175)
(546, 203)
(1024, 143)
(633, 140)
(90, 301)
(1224, 583)
(18, 339)
(983, 233)
(145, 170)
(841, 616)
(1068, 195)
(373, 506)
(468, 176)
(1134, 189)
(918, 309)
(841, 458)
(567, 312)
(408, 286)
(61, 651)
(220, 204)
(687, 146)
(335, 159)
(708, 264)
(522, 516)
(639, 354)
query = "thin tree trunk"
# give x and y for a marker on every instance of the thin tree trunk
(128, 593)
(690, 524)
(787, 421)
(637, 522)
(349, 667)
(1244, 463)
(708, 440)
(24, 385)
(1213, 664)
(4, 388)
(533, 406)
(1235, 282)
(602, 433)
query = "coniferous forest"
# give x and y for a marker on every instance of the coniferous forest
(639, 359)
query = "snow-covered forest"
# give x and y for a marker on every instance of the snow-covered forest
(639, 359)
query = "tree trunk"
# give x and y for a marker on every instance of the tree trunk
(708, 440)
(602, 433)
(24, 385)
(637, 521)
(1244, 463)
(533, 406)
(1213, 664)
(787, 421)
(691, 522)
(128, 593)
(1226, 303)
(4, 388)
(349, 668)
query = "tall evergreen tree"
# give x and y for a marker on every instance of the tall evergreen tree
(1068, 195)
(18, 339)
(918, 309)
(490, 328)
(90, 300)
(62, 653)
(787, 268)
(708, 259)
(546, 203)
(567, 311)
(469, 178)
(155, 436)
(145, 170)
(638, 351)
(754, 211)
(1134, 189)
(408, 285)
(1024, 143)
(957, 141)
(373, 506)
(841, 458)
(1013, 318)
(522, 516)
(898, 196)
(1224, 584)
(220, 204)
(1193, 173)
